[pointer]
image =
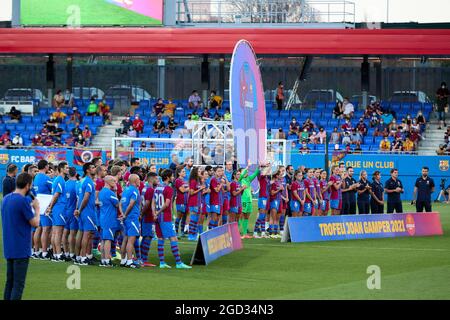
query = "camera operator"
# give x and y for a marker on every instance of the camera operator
(442, 150)
(423, 188)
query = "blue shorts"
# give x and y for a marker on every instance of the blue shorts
(234, 210)
(193, 209)
(147, 229)
(87, 221)
(165, 230)
(108, 233)
(59, 219)
(275, 204)
(214, 209)
(181, 208)
(316, 205)
(262, 203)
(308, 208)
(324, 205)
(295, 206)
(334, 204)
(132, 227)
(45, 221)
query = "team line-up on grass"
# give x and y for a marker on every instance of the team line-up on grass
(116, 210)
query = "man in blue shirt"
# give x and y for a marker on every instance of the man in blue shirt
(43, 184)
(86, 215)
(57, 210)
(71, 227)
(109, 222)
(17, 221)
(130, 208)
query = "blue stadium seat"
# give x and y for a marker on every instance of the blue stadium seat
(315, 115)
(331, 105)
(377, 140)
(406, 106)
(270, 123)
(30, 127)
(2, 127)
(332, 123)
(226, 104)
(27, 119)
(98, 120)
(320, 105)
(43, 112)
(292, 137)
(20, 127)
(427, 107)
(416, 106)
(164, 135)
(10, 127)
(296, 113)
(279, 123)
(395, 106)
(78, 102)
(144, 104)
(365, 148)
(305, 114)
(320, 147)
(284, 114)
(88, 120)
(327, 114)
(322, 123)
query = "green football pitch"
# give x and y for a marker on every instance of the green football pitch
(91, 12)
(411, 268)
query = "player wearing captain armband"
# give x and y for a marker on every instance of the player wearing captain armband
(194, 202)
(325, 192)
(182, 194)
(246, 180)
(310, 190)
(165, 229)
(236, 190)
(298, 194)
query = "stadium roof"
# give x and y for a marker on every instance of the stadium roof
(222, 41)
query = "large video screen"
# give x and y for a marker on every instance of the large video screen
(91, 12)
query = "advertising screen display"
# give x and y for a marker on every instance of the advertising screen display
(91, 12)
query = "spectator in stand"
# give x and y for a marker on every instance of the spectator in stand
(349, 109)
(17, 140)
(227, 115)
(397, 146)
(77, 130)
(356, 137)
(51, 123)
(152, 147)
(338, 110)
(105, 111)
(346, 139)
(126, 124)
(335, 137)
(92, 109)
(58, 99)
(158, 107)
(5, 139)
(441, 151)
(131, 133)
(79, 141)
(415, 137)
(304, 136)
(37, 140)
(387, 118)
(415, 126)
(357, 149)
(280, 134)
(58, 115)
(370, 110)
(159, 126)
(385, 145)
(442, 103)
(347, 126)
(215, 101)
(16, 115)
(56, 134)
(269, 134)
(361, 127)
(75, 117)
(172, 125)
(44, 133)
(380, 129)
(313, 138)
(205, 115)
(68, 98)
(170, 109)
(304, 148)
(408, 145)
(294, 127)
(138, 124)
(143, 146)
(87, 135)
(322, 136)
(308, 125)
(421, 121)
(374, 120)
(194, 101)
(279, 98)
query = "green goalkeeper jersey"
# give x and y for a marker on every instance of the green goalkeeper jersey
(247, 194)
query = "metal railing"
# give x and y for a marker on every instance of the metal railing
(243, 12)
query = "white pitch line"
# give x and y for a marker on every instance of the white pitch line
(348, 247)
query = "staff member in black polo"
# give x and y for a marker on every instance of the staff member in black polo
(349, 193)
(9, 181)
(363, 193)
(376, 194)
(423, 188)
(394, 187)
